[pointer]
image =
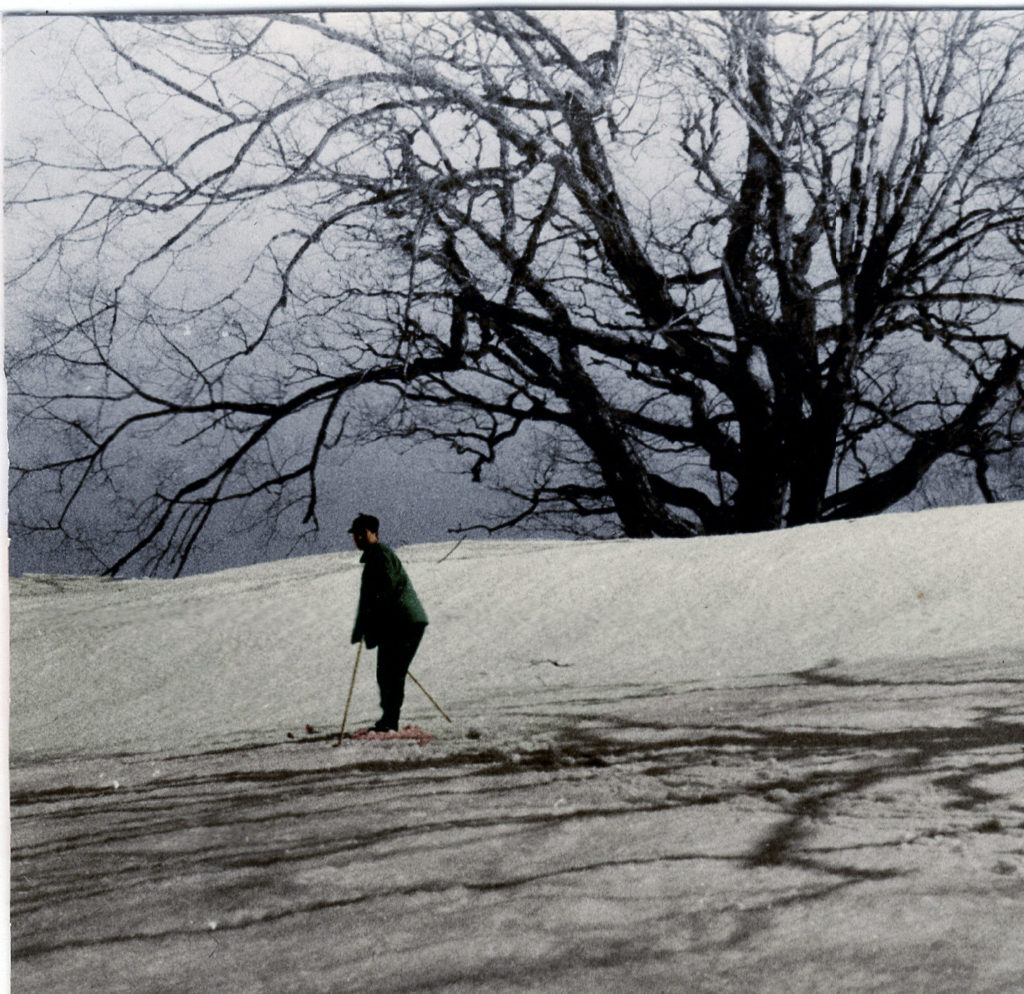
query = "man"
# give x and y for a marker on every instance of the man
(390, 617)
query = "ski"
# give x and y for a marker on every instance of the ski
(410, 733)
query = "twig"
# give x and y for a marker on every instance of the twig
(451, 550)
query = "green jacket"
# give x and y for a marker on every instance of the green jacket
(386, 597)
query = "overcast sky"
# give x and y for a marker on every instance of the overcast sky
(418, 495)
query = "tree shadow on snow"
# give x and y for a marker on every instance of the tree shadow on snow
(828, 769)
(237, 828)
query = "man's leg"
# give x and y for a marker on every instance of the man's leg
(394, 657)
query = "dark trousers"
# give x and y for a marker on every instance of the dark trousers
(394, 656)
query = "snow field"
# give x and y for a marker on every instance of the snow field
(246, 655)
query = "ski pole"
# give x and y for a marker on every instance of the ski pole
(429, 698)
(351, 687)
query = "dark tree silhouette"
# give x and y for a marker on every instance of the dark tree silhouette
(657, 273)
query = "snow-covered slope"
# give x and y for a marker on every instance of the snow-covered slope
(246, 654)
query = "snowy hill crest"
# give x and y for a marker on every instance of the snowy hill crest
(243, 654)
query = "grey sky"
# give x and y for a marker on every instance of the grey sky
(418, 495)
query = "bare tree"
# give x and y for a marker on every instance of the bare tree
(663, 273)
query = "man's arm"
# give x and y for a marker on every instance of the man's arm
(373, 592)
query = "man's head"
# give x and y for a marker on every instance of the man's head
(364, 530)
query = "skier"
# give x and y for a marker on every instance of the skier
(390, 617)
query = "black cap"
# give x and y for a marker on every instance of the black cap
(365, 523)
